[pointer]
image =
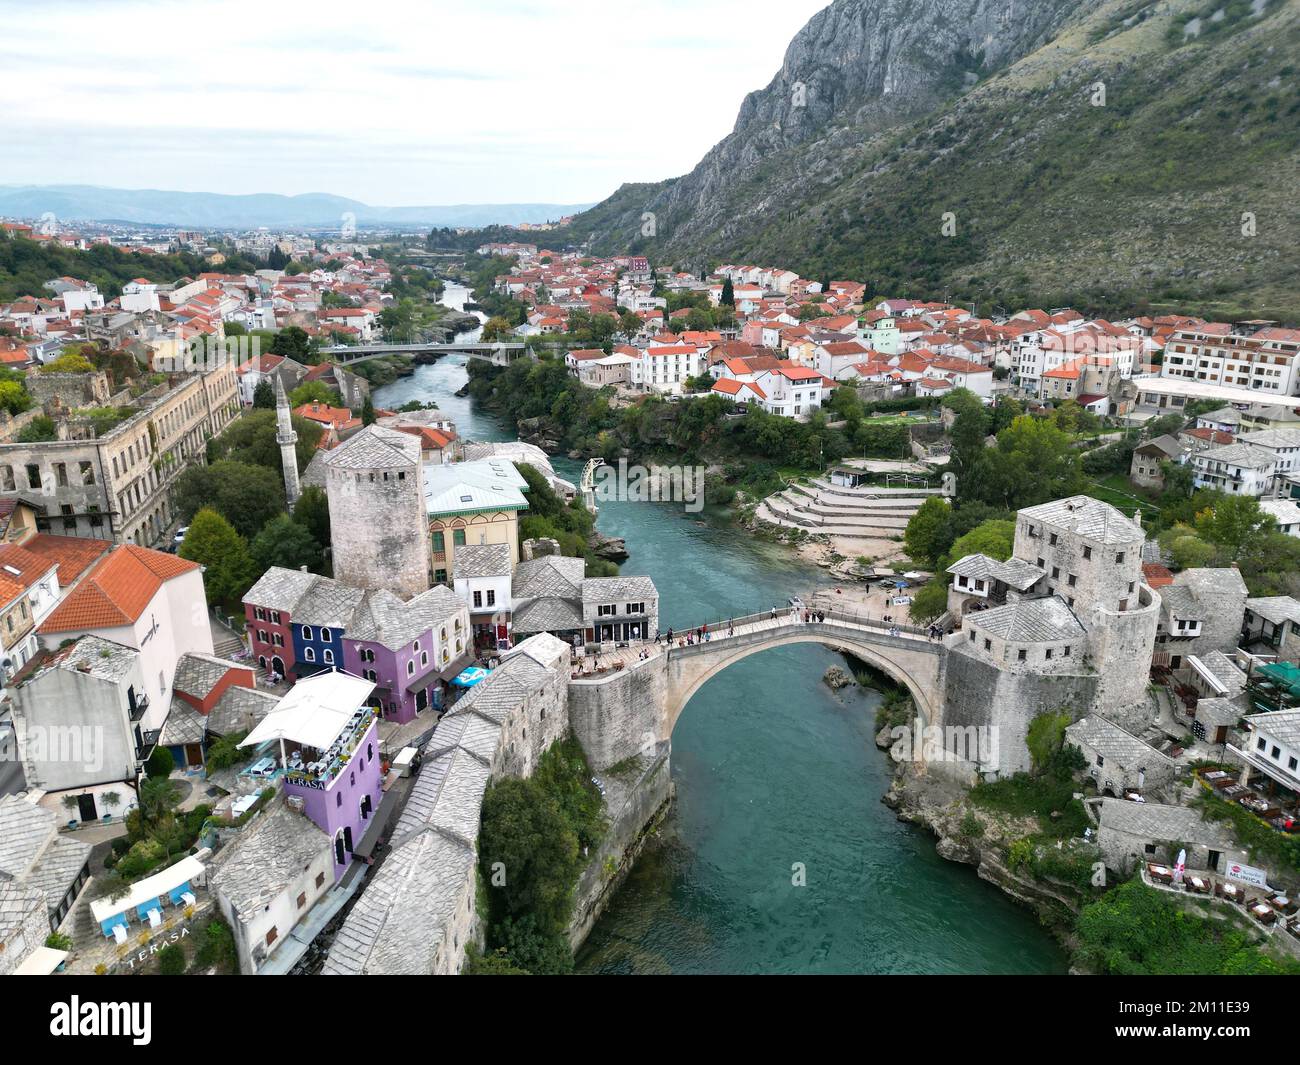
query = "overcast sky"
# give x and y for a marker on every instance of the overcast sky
(390, 102)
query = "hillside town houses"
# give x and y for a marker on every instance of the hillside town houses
(447, 635)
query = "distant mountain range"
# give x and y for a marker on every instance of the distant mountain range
(1084, 152)
(206, 210)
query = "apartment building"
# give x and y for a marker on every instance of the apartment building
(118, 486)
(1266, 360)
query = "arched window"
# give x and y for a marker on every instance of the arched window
(410, 668)
(329, 657)
(309, 654)
(306, 633)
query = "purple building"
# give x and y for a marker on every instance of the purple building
(324, 736)
(408, 651)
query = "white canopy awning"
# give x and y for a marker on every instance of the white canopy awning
(314, 712)
(41, 962)
(1216, 685)
(151, 887)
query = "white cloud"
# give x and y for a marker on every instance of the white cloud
(400, 102)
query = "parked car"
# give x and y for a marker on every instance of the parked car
(179, 538)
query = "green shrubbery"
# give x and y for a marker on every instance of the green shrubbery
(533, 844)
(1136, 930)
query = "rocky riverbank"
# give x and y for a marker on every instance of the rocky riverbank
(966, 833)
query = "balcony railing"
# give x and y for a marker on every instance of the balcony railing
(147, 742)
(139, 706)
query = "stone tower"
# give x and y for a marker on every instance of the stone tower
(287, 439)
(379, 523)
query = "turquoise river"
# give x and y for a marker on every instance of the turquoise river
(777, 780)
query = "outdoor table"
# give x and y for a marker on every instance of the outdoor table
(1196, 883)
(1225, 781)
(1230, 892)
(1279, 903)
(1234, 790)
(1217, 774)
(1159, 872)
(1263, 912)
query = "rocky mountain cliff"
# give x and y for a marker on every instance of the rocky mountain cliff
(1098, 152)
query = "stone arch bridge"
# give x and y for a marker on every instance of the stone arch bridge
(905, 654)
(624, 709)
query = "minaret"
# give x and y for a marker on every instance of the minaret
(286, 438)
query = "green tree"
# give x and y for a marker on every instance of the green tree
(368, 411)
(39, 428)
(1032, 463)
(495, 329)
(160, 763)
(994, 538)
(251, 439)
(286, 543)
(313, 392)
(14, 397)
(246, 495)
(69, 363)
(930, 601)
(228, 568)
(524, 832)
(1233, 523)
(728, 293)
(313, 513)
(927, 536)
(264, 395)
(294, 343)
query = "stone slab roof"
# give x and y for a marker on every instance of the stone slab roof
(1283, 725)
(618, 589)
(1014, 572)
(555, 576)
(399, 924)
(1224, 669)
(481, 560)
(1218, 712)
(267, 857)
(197, 674)
(1275, 609)
(1115, 744)
(1169, 824)
(279, 589)
(58, 868)
(1046, 620)
(375, 448)
(1089, 518)
(547, 615)
(17, 901)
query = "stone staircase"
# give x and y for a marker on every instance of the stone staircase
(225, 644)
(867, 512)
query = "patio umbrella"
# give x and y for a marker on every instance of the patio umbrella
(1178, 868)
(469, 677)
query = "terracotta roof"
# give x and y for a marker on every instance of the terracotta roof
(117, 590)
(1156, 575)
(73, 554)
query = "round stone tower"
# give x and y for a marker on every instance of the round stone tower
(378, 522)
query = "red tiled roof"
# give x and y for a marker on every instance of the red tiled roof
(117, 590)
(73, 554)
(1156, 575)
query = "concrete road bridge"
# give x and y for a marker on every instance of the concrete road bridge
(497, 354)
(904, 653)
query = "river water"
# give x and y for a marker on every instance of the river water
(778, 856)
